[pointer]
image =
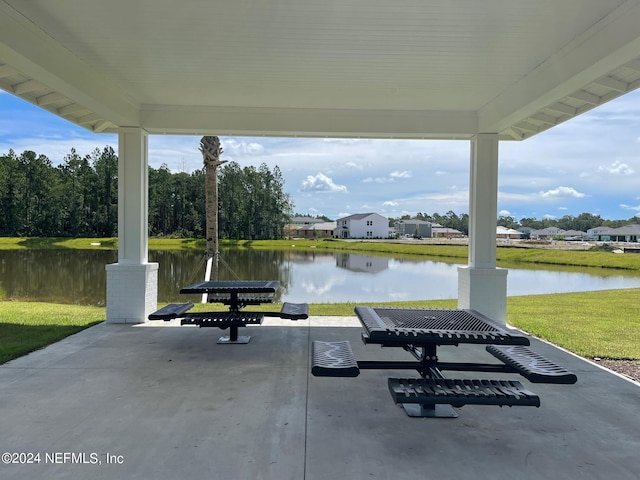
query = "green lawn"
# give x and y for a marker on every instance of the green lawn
(28, 326)
(592, 324)
(602, 324)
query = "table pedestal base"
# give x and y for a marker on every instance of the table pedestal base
(228, 340)
(434, 411)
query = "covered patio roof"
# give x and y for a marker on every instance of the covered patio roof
(482, 71)
(348, 68)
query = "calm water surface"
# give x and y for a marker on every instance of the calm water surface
(78, 276)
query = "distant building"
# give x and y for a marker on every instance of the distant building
(628, 233)
(413, 227)
(593, 233)
(574, 235)
(525, 232)
(317, 230)
(363, 225)
(546, 232)
(305, 220)
(504, 232)
(445, 232)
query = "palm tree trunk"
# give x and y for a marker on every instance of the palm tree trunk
(211, 151)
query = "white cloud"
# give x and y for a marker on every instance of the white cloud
(321, 183)
(630, 207)
(563, 192)
(236, 148)
(390, 203)
(504, 213)
(403, 174)
(617, 168)
(355, 165)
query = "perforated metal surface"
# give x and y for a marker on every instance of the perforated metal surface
(223, 319)
(460, 320)
(238, 287)
(396, 326)
(333, 359)
(531, 365)
(461, 392)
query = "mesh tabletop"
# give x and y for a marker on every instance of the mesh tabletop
(439, 326)
(236, 286)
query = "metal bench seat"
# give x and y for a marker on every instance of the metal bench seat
(333, 359)
(291, 311)
(458, 392)
(171, 311)
(223, 319)
(242, 299)
(531, 365)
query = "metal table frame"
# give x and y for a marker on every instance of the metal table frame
(421, 331)
(235, 294)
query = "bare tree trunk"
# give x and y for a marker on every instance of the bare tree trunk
(211, 151)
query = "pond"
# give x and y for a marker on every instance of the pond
(78, 276)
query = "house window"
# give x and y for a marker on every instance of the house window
(369, 223)
(369, 234)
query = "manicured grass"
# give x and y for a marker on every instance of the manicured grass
(28, 326)
(602, 324)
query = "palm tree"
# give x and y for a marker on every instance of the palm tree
(211, 150)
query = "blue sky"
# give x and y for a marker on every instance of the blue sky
(589, 164)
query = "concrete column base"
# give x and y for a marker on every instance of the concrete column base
(132, 292)
(484, 290)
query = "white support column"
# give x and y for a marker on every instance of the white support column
(132, 283)
(482, 286)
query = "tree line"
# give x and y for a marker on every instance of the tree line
(79, 198)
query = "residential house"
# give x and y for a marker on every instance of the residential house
(504, 232)
(525, 232)
(574, 235)
(546, 233)
(317, 230)
(628, 233)
(445, 232)
(413, 227)
(363, 225)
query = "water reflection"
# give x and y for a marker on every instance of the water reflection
(78, 276)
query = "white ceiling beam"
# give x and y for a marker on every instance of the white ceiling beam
(544, 118)
(37, 55)
(613, 84)
(528, 127)
(308, 122)
(26, 87)
(71, 109)
(49, 98)
(514, 134)
(90, 118)
(102, 126)
(563, 108)
(609, 44)
(585, 97)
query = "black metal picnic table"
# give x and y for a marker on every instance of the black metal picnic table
(421, 332)
(237, 294)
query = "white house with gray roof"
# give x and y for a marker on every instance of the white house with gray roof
(363, 225)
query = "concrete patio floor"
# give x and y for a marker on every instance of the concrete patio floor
(156, 402)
